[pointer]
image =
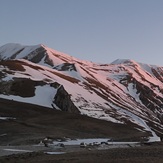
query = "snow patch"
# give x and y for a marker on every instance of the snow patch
(79, 141)
(6, 118)
(44, 96)
(54, 153)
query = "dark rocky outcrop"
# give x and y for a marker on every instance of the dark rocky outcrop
(22, 87)
(66, 67)
(63, 101)
(36, 55)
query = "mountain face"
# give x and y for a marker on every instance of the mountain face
(123, 92)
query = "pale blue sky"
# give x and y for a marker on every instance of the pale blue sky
(95, 30)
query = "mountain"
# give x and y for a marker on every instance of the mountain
(124, 91)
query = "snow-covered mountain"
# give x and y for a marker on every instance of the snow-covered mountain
(124, 91)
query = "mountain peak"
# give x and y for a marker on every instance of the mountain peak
(124, 61)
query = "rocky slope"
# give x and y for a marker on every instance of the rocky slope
(124, 91)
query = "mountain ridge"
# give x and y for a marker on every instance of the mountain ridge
(123, 91)
(17, 47)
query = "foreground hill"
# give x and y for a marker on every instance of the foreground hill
(123, 92)
(24, 123)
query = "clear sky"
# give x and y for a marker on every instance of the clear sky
(95, 30)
